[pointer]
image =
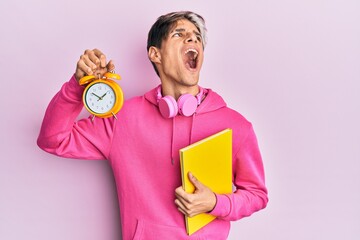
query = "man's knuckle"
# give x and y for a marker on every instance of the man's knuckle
(83, 57)
(79, 63)
(191, 213)
(187, 207)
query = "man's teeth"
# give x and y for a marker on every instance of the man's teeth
(192, 50)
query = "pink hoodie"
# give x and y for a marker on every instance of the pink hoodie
(140, 146)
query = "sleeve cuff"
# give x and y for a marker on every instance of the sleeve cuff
(222, 207)
(72, 90)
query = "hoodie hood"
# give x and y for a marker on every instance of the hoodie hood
(211, 102)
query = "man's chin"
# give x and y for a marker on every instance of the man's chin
(191, 80)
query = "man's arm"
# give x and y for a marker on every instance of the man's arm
(59, 133)
(250, 194)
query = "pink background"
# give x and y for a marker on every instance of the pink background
(291, 67)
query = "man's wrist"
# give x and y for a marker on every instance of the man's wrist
(222, 207)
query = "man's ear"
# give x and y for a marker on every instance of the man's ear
(154, 54)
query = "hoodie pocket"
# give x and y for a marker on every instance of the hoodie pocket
(150, 231)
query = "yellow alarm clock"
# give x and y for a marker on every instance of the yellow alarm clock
(102, 97)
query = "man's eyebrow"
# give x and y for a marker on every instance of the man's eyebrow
(179, 30)
(183, 30)
(197, 33)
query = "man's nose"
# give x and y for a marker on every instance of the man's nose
(191, 37)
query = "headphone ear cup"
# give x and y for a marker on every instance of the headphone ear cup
(187, 104)
(168, 107)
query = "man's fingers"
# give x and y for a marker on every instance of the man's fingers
(93, 57)
(97, 52)
(100, 56)
(102, 61)
(181, 204)
(88, 61)
(193, 180)
(93, 62)
(182, 211)
(82, 66)
(185, 208)
(97, 57)
(182, 195)
(110, 66)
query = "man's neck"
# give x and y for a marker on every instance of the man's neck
(176, 90)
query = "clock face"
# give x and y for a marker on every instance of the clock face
(100, 98)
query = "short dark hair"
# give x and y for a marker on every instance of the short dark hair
(161, 28)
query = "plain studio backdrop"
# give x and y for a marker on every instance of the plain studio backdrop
(291, 67)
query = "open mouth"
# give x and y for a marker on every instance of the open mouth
(191, 56)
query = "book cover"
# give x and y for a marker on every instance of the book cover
(210, 161)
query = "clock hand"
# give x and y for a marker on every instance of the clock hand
(99, 98)
(103, 95)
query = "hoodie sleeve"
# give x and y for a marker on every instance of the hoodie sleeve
(251, 193)
(61, 135)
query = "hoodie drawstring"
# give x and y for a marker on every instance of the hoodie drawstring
(173, 135)
(172, 140)
(192, 128)
(204, 94)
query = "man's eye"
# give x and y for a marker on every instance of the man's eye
(177, 35)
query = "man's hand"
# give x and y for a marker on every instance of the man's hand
(93, 62)
(203, 200)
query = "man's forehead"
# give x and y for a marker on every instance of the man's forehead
(183, 25)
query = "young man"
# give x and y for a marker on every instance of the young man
(142, 145)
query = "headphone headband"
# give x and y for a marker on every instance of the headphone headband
(198, 96)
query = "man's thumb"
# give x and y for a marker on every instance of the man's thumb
(193, 180)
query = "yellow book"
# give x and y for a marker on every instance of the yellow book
(210, 161)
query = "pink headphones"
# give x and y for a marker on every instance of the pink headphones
(186, 104)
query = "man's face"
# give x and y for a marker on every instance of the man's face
(182, 54)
